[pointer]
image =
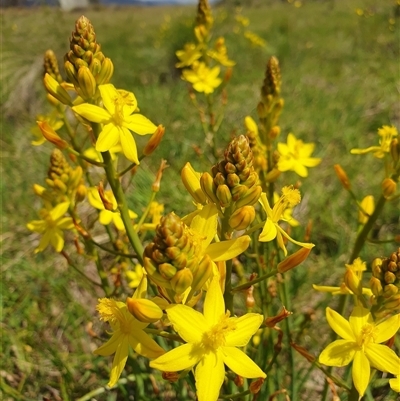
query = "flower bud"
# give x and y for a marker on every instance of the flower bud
(368, 205)
(144, 310)
(80, 194)
(389, 277)
(390, 290)
(238, 380)
(242, 218)
(303, 352)
(376, 286)
(392, 303)
(344, 179)
(250, 198)
(389, 187)
(272, 175)
(352, 282)
(106, 72)
(294, 260)
(274, 132)
(107, 204)
(202, 272)
(224, 195)
(167, 270)
(87, 83)
(71, 72)
(56, 90)
(154, 141)
(182, 281)
(191, 181)
(51, 135)
(208, 187)
(172, 377)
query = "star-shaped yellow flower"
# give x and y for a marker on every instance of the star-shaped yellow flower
(203, 78)
(188, 55)
(295, 156)
(126, 332)
(117, 120)
(52, 226)
(290, 197)
(361, 344)
(212, 338)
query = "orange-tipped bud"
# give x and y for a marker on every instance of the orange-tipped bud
(107, 204)
(156, 184)
(144, 310)
(55, 89)
(154, 141)
(368, 205)
(389, 187)
(228, 74)
(294, 260)
(272, 321)
(242, 218)
(353, 282)
(255, 386)
(87, 83)
(344, 179)
(191, 181)
(51, 135)
(182, 281)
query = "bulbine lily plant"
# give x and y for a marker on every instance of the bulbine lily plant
(206, 316)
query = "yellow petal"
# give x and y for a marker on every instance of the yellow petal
(65, 223)
(108, 138)
(57, 239)
(183, 357)
(214, 305)
(110, 346)
(105, 217)
(387, 329)
(240, 363)
(121, 355)
(139, 124)
(37, 225)
(226, 250)
(144, 345)
(108, 95)
(128, 145)
(44, 241)
(360, 372)
(339, 325)
(339, 353)
(246, 326)
(92, 113)
(59, 210)
(269, 231)
(209, 374)
(118, 221)
(94, 198)
(383, 358)
(189, 323)
(205, 222)
(359, 318)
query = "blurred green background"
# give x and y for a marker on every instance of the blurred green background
(340, 70)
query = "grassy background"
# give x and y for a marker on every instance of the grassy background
(340, 84)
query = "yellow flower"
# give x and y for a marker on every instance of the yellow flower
(126, 332)
(295, 156)
(361, 344)
(357, 267)
(211, 339)
(51, 227)
(368, 205)
(220, 54)
(395, 384)
(118, 120)
(255, 39)
(203, 78)
(135, 276)
(290, 197)
(188, 55)
(107, 216)
(386, 134)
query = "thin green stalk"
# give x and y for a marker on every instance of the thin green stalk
(245, 286)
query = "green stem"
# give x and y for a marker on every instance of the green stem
(164, 334)
(255, 281)
(146, 212)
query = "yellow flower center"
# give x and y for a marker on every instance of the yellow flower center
(367, 335)
(115, 312)
(118, 116)
(215, 337)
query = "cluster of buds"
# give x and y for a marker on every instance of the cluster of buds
(65, 183)
(204, 17)
(50, 65)
(271, 104)
(85, 64)
(385, 283)
(233, 184)
(173, 260)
